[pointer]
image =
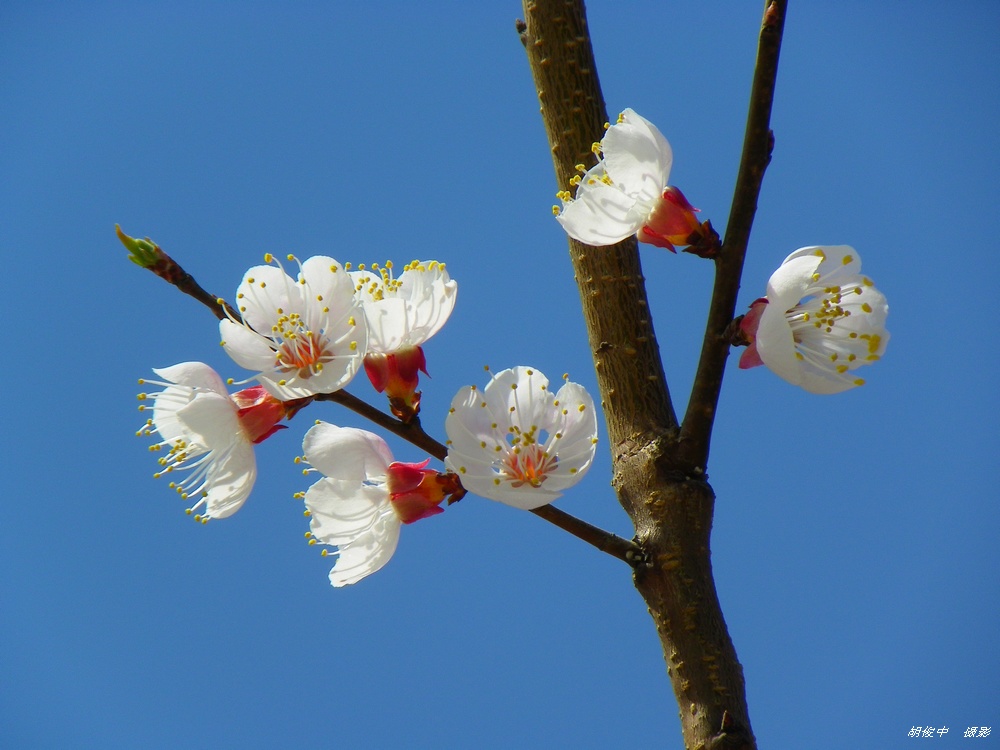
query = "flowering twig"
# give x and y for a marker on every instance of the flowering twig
(696, 429)
(414, 433)
(149, 255)
(660, 482)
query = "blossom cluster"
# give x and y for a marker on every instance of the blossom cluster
(308, 333)
(819, 321)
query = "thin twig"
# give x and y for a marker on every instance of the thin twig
(169, 270)
(758, 141)
(413, 432)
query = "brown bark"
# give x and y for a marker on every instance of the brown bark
(658, 465)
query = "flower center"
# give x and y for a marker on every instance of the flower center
(301, 350)
(528, 464)
(820, 311)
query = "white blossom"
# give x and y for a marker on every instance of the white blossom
(517, 442)
(363, 498)
(820, 321)
(201, 432)
(302, 336)
(626, 193)
(404, 311)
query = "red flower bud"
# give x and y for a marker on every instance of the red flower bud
(259, 412)
(672, 222)
(415, 491)
(397, 374)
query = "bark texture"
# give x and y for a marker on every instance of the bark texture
(659, 466)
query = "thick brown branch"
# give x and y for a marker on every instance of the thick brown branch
(758, 141)
(612, 287)
(662, 492)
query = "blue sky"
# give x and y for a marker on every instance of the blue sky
(855, 540)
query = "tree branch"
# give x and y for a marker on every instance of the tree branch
(149, 255)
(696, 431)
(414, 433)
(657, 483)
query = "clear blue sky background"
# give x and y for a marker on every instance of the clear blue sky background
(855, 543)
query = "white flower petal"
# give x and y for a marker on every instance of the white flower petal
(263, 291)
(248, 349)
(210, 420)
(326, 278)
(637, 157)
(601, 215)
(359, 521)
(788, 284)
(365, 555)
(190, 379)
(776, 345)
(527, 498)
(230, 480)
(836, 259)
(405, 311)
(194, 375)
(346, 452)
(341, 510)
(388, 324)
(823, 383)
(525, 391)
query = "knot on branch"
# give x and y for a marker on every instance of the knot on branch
(731, 736)
(637, 557)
